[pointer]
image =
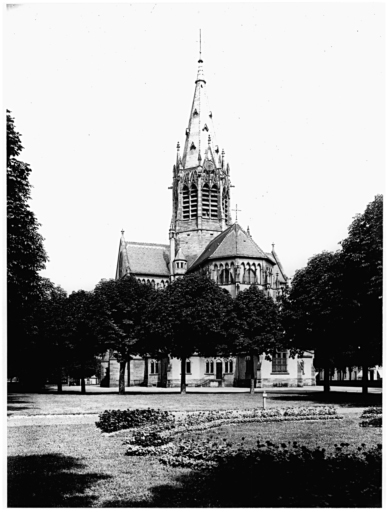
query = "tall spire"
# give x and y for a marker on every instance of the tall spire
(200, 125)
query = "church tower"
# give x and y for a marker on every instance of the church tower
(201, 183)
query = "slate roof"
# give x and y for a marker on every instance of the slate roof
(231, 243)
(180, 256)
(147, 258)
(279, 267)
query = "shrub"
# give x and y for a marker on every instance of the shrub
(112, 421)
(371, 412)
(376, 421)
(372, 417)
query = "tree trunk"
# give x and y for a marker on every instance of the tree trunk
(365, 369)
(122, 378)
(183, 375)
(59, 381)
(326, 379)
(83, 386)
(146, 372)
(252, 385)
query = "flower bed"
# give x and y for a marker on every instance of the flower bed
(207, 453)
(373, 417)
(152, 439)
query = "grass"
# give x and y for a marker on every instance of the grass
(95, 403)
(54, 464)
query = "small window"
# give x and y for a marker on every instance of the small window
(279, 362)
(188, 366)
(207, 370)
(192, 147)
(154, 367)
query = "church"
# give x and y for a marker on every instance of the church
(203, 237)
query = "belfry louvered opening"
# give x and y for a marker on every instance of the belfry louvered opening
(190, 202)
(225, 202)
(210, 201)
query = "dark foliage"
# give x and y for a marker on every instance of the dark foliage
(123, 307)
(362, 254)
(112, 421)
(377, 421)
(191, 316)
(25, 258)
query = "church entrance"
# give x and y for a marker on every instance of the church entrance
(219, 370)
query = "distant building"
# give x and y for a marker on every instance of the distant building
(204, 238)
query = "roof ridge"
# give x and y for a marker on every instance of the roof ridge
(276, 258)
(147, 244)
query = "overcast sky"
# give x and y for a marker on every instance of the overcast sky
(101, 94)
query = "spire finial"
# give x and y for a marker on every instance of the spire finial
(273, 247)
(200, 75)
(200, 47)
(178, 147)
(209, 139)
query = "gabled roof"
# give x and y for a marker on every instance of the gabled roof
(279, 267)
(149, 259)
(231, 243)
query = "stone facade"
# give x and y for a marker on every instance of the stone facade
(212, 372)
(203, 238)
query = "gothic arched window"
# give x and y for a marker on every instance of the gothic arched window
(210, 201)
(226, 275)
(186, 202)
(215, 273)
(249, 276)
(205, 200)
(193, 201)
(190, 202)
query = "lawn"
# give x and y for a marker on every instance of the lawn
(53, 463)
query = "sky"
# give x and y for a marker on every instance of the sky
(101, 94)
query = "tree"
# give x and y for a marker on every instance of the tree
(257, 327)
(25, 256)
(362, 254)
(186, 318)
(313, 311)
(51, 331)
(83, 317)
(123, 304)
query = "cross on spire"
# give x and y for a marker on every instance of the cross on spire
(200, 46)
(236, 210)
